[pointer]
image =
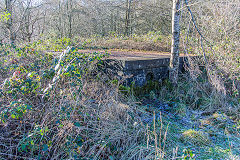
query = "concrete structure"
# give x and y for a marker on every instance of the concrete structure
(139, 67)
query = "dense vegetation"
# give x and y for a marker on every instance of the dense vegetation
(59, 103)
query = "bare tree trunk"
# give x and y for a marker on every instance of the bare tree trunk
(132, 16)
(174, 61)
(59, 27)
(69, 10)
(28, 32)
(127, 20)
(9, 24)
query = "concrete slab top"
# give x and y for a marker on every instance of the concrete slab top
(133, 55)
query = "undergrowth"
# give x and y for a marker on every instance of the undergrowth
(57, 104)
(63, 107)
(153, 41)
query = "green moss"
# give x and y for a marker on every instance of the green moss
(195, 137)
(150, 88)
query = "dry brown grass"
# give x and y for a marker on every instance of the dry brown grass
(149, 42)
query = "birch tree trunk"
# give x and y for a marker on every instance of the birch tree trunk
(174, 60)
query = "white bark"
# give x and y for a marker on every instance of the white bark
(174, 61)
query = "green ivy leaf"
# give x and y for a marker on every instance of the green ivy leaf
(13, 116)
